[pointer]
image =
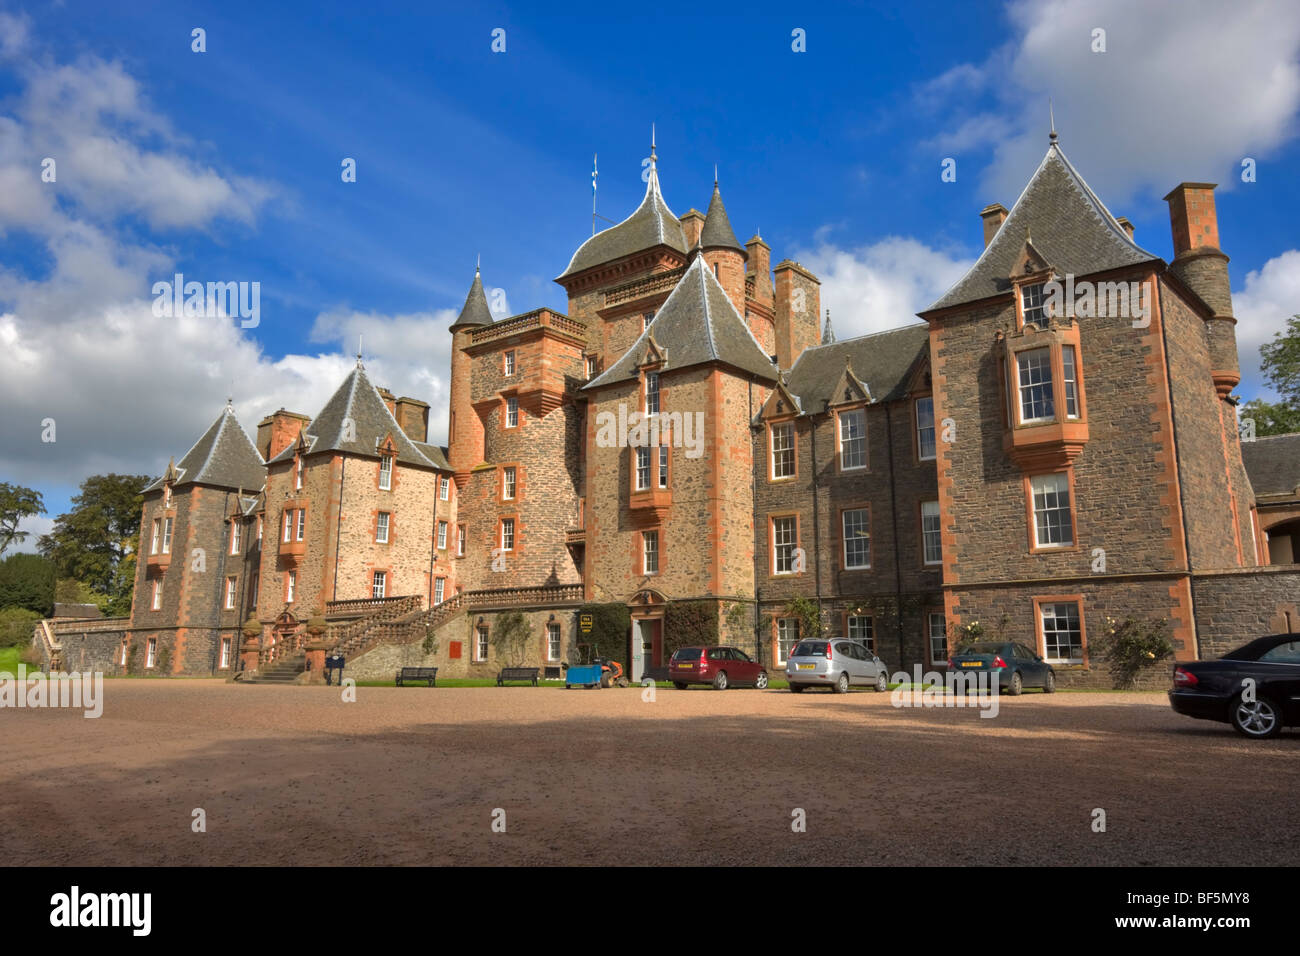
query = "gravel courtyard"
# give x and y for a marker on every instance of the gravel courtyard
(293, 775)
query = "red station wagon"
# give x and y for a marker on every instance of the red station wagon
(720, 666)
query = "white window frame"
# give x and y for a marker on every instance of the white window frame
(151, 652)
(856, 537)
(297, 482)
(783, 551)
(302, 524)
(784, 627)
(931, 534)
(378, 585)
(236, 536)
(460, 540)
(1052, 508)
(155, 602)
(663, 466)
(508, 483)
(553, 638)
(652, 393)
(381, 527)
(254, 582)
(1042, 629)
(444, 488)
(439, 589)
(288, 524)
(290, 585)
(1070, 380)
(157, 536)
(232, 588)
(386, 473)
(442, 536)
(860, 439)
(1031, 304)
(508, 366)
(786, 430)
(854, 626)
(643, 465)
(167, 536)
(925, 433)
(933, 620)
(512, 412)
(225, 653)
(481, 643)
(650, 552)
(1034, 385)
(507, 534)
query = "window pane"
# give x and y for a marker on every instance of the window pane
(1032, 302)
(938, 638)
(650, 545)
(1070, 381)
(853, 439)
(925, 427)
(783, 545)
(931, 534)
(652, 393)
(783, 450)
(787, 635)
(642, 469)
(663, 466)
(861, 628)
(857, 539)
(1062, 632)
(1035, 385)
(1052, 524)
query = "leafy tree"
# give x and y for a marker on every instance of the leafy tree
(16, 503)
(16, 625)
(1280, 363)
(93, 540)
(27, 581)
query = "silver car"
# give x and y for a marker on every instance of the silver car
(837, 663)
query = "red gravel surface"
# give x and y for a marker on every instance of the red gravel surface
(294, 775)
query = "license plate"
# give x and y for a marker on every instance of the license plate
(804, 667)
(971, 664)
(684, 667)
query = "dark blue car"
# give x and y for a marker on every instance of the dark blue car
(1015, 665)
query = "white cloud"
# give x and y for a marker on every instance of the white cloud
(35, 526)
(882, 285)
(1182, 93)
(1270, 296)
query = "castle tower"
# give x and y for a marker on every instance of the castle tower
(464, 429)
(722, 252)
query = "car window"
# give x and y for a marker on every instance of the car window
(858, 652)
(810, 649)
(739, 655)
(1288, 653)
(1028, 652)
(717, 653)
(686, 654)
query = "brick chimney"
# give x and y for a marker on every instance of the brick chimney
(692, 225)
(278, 431)
(994, 216)
(798, 311)
(1128, 226)
(413, 416)
(389, 399)
(1201, 266)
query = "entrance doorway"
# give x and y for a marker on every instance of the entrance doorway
(647, 646)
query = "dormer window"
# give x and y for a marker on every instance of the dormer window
(1031, 304)
(167, 496)
(297, 481)
(646, 319)
(591, 366)
(386, 473)
(652, 393)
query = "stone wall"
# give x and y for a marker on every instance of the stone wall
(1236, 606)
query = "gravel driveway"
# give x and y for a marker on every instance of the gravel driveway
(293, 775)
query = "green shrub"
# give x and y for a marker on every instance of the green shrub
(16, 624)
(689, 624)
(610, 626)
(27, 581)
(1132, 646)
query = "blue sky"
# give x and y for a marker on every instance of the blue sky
(225, 165)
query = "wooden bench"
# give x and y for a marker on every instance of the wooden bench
(429, 674)
(517, 673)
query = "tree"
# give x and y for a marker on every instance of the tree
(16, 503)
(1280, 363)
(95, 541)
(27, 581)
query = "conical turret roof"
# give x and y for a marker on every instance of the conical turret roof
(717, 231)
(475, 311)
(224, 456)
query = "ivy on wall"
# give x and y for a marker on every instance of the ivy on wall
(610, 626)
(689, 624)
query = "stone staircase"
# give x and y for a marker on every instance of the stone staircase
(283, 671)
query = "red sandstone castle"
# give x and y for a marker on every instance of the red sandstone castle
(689, 434)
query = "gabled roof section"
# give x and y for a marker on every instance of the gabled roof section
(1071, 228)
(475, 311)
(224, 457)
(1273, 464)
(699, 324)
(882, 363)
(717, 231)
(652, 224)
(357, 401)
(435, 453)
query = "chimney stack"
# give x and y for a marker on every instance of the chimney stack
(994, 216)
(1128, 226)
(278, 431)
(413, 416)
(692, 225)
(1201, 266)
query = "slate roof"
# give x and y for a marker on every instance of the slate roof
(1273, 464)
(652, 224)
(475, 311)
(435, 454)
(224, 457)
(696, 324)
(717, 229)
(357, 399)
(882, 361)
(1067, 223)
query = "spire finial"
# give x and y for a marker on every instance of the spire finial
(828, 333)
(1051, 115)
(359, 337)
(478, 262)
(715, 175)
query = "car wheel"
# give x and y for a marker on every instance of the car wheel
(679, 685)
(1017, 685)
(761, 683)
(796, 688)
(1258, 718)
(842, 684)
(882, 682)
(720, 682)
(1049, 685)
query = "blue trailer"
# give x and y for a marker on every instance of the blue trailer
(587, 675)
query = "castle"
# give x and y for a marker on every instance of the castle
(1021, 462)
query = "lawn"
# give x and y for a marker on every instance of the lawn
(9, 659)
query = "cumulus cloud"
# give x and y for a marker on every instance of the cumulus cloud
(881, 285)
(1269, 297)
(1181, 92)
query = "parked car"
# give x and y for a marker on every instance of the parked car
(720, 666)
(1016, 666)
(837, 663)
(1255, 688)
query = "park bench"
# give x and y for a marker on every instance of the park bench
(429, 674)
(517, 673)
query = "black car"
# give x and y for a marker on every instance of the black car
(1255, 688)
